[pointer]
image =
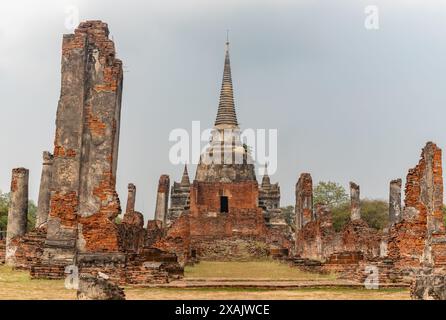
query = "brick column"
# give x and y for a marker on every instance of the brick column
(355, 208)
(131, 197)
(43, 205)
(162, 199)
(395, 201)
(304, 200)
(18, 211)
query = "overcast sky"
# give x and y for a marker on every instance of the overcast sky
(348, 103)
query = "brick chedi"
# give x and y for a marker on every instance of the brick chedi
(162, 199)
(269, 201)
(224, 220)
(179, 198)
(18, 212)
(43, 205)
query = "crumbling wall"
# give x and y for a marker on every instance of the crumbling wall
(177, 238)
(317, 240)
(420, 237)
(83, 197)
(358, 236)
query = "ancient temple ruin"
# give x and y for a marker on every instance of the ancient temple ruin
(78, 202)
(223, 214)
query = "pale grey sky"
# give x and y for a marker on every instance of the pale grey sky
(348, 103)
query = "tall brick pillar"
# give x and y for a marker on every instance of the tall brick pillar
(131, 197)
(43, 205)
(395, 201)
(355, 203)
(304, 201)
(162, 199)
(18, 211)
(83, 201)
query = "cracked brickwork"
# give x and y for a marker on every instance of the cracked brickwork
(83, 197)
(419, 239)
(84, 204)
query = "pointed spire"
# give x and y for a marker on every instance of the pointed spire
(226, 108)
(266, 183)
(185, 179)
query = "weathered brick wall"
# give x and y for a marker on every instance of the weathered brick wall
(132, 234)
(317, 240)
(177, 238)
(358, 236)
(29, 248)
(230, 249)
(154, 232)
(244, 217)
(83, 196)
(420, 237)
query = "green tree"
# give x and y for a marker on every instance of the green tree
(4, 207)
(32, 210)
(329, 193)
(444, 214)
(288, 213)
(374, 212)
(341, 215)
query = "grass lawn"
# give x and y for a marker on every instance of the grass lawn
(267, 269)
(18, 285)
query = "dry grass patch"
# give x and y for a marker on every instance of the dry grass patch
(259, 294)
(17, 285)
(268, 269)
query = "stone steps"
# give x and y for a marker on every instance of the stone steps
(2, 251)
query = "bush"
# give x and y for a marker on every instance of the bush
(374, 212)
